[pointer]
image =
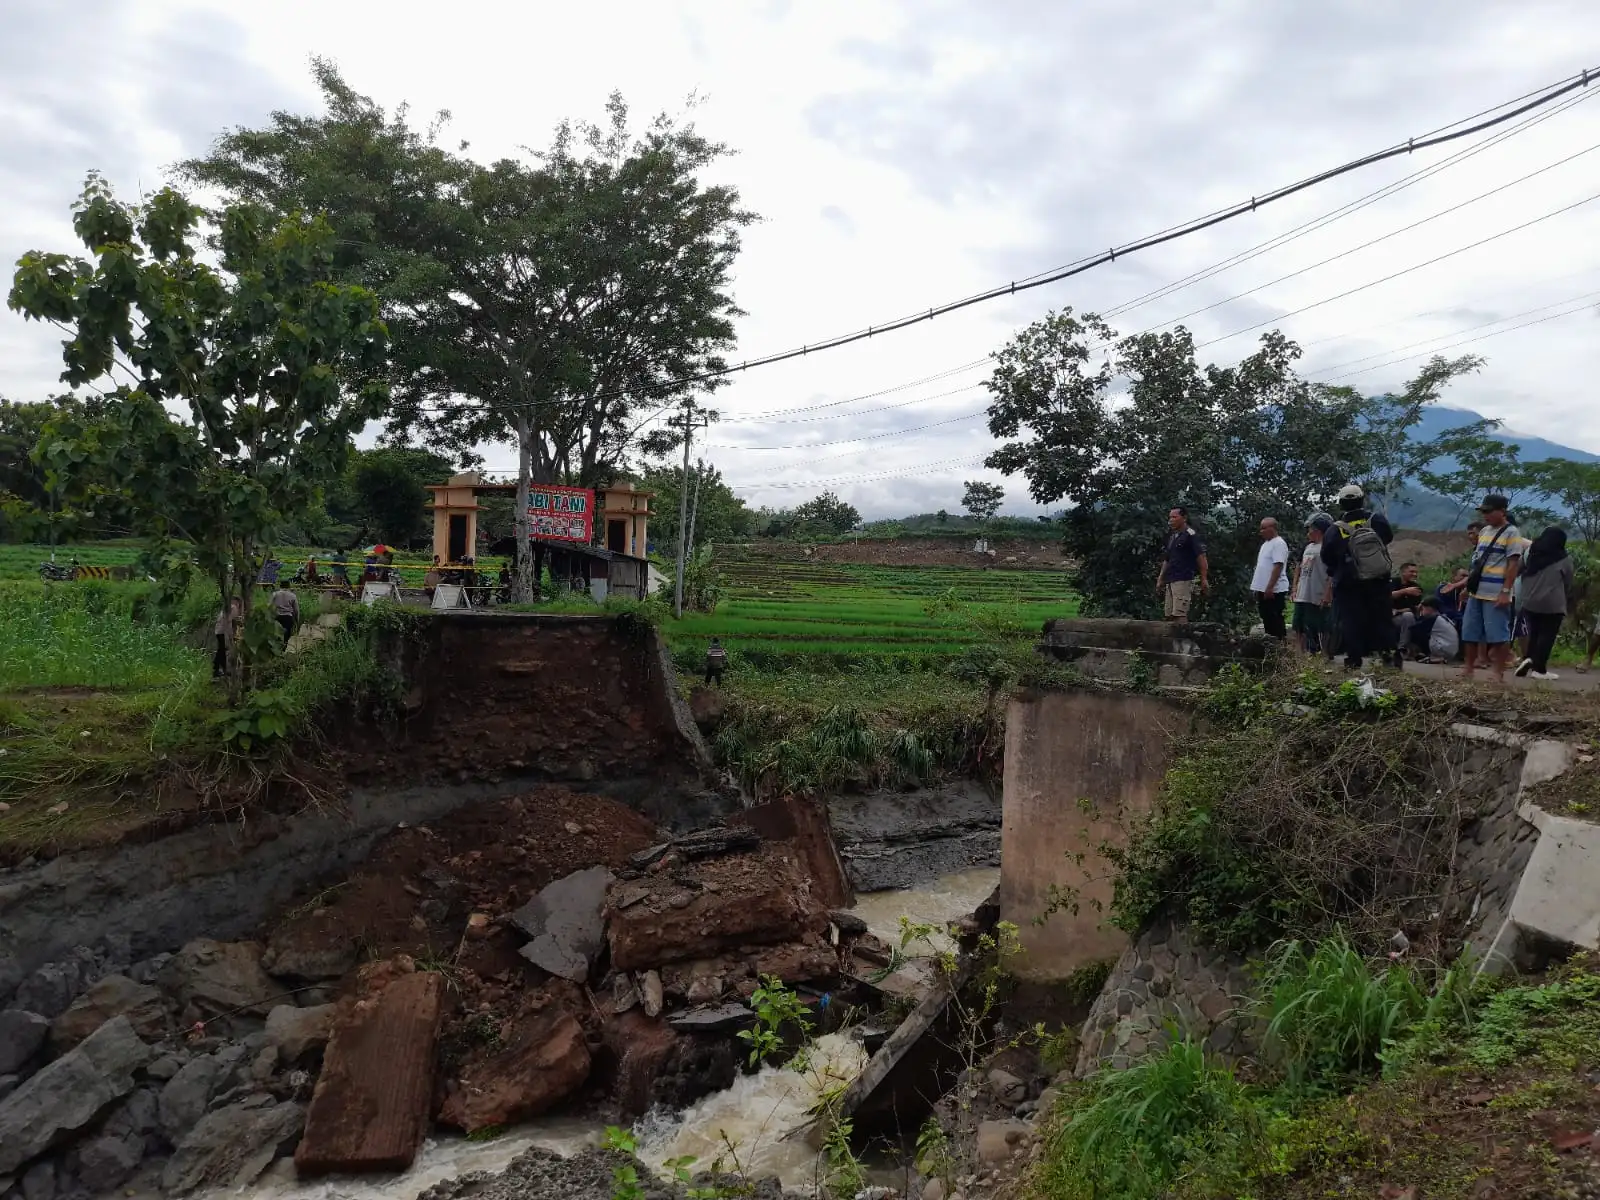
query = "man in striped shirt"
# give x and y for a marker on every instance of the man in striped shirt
(1486, 621)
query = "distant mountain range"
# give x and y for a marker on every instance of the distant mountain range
(1421, 509)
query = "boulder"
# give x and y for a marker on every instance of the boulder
(188, 1094)
(1006, 1087)
(651, 993)
(22, 1033)
(708, 707)
(313, 947)
(230, 1147)
(70, 1093)
(113, 996)
(997, 1139)
(546, 1060)
(370, 1109)
(565, 922)
(39, 1181)
(220, 978)
(50, 989)
(298, 1031)
(106, 1162)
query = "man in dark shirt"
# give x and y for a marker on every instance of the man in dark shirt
(1405, 596)
(1363, 609)
(1183, 562)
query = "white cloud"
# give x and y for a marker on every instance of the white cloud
(906, 154)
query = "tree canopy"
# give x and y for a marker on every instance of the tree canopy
(720, 515)
(982, 500)
(1124, 435)
(221, 408)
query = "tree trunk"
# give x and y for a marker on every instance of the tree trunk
(522, 578)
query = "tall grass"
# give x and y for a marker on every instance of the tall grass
(88, 636)
(1135, 1132)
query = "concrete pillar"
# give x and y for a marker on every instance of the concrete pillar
(1079, 767)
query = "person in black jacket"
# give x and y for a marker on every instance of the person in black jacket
(1363, 608)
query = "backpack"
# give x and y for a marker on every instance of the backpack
(1368, 554)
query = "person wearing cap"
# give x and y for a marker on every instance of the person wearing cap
(1313, 591)
(1363, 607)
(1486, 620)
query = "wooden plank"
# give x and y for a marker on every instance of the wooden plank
(373, 1100)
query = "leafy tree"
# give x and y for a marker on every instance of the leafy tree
(982, 500)
(557, 304)
(1396, 456)
(1231, 444)
(1576, 487)
(720, 515)
(386, 489)
(1481, 464)
(941, 516)
(223, 413)
(826, 514)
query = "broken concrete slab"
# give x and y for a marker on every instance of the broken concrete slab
(545, 1061)
(1557, 901)
(232, 1146)
(566, 923)
(712, 1018)
(369, 1110)
(70, 1093)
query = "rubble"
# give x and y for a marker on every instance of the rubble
(370, 1109)
(298, 1031)
(69, 1093)
(215, 979)
(565, 922)
(22, 1035)
(232, 1146)
(545, 1060)
(113, 996)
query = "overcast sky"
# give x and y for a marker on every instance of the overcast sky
(905, 154)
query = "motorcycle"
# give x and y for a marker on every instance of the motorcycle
(55, 572)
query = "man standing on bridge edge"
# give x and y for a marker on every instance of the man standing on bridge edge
(1356, 553)
(1183, 561)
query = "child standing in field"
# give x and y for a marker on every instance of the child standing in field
(716, 662)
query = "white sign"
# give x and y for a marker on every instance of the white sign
(371, 593)
(450, 595)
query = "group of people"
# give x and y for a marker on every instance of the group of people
(1347, 597)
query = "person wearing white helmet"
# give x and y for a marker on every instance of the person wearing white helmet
(1356, 553)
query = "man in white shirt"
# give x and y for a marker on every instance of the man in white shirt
(1270, 583)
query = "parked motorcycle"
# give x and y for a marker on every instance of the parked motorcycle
(56, 572)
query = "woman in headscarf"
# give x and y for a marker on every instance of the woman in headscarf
(1546, 593)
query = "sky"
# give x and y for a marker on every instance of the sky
(906, 154)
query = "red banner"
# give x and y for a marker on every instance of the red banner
(564, 514)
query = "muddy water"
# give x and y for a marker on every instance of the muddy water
(752, 1115)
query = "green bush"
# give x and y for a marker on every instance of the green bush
(1131, 1134)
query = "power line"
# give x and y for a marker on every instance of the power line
(920, 469)
(1409, 146)
(850, 441)
(1398, 274)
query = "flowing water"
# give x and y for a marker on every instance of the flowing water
(751, 1117)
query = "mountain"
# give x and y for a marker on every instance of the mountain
(1421, 509)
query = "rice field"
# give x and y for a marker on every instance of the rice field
(87, 637)
(782, 607)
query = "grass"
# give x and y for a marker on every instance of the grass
(88, 637)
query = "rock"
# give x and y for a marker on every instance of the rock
(107, 1161)
(39, 1181)
(165, 1067)
(1006, 1087)
(113, 996)
(545, 1061)
(298, 1031)
(371, 1104)
(933, 1190)
(149, 969)
(54, 986)
(652, 993)
(807, 959)
(850, 925)
(70, 1092)
(713, 1019)
(708, 707)
(312, 948)
(566, 923)
(188, 1094)
(232, 1146)
(8, 1084)
(705, 989)
(220, 978)
(624, 993)
(642, 1048)
(997, 1139)
(265, 1064)
(21, 1035)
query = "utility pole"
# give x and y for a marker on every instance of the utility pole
(688, 421)
(694, 505)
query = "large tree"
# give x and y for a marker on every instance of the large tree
(1124, 436)
(826, 513)
(1576, 487)
(222, 412)
(718, 514)
(982, 500)
(1398, 455)
(558, 303)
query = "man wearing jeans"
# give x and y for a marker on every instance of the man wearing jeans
(1486, 622)
(1270, 583)
(1182, 564)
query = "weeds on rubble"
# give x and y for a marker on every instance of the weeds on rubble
(844, 1177)
(934, 1157)
(1303, 806)
(775, 1007)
